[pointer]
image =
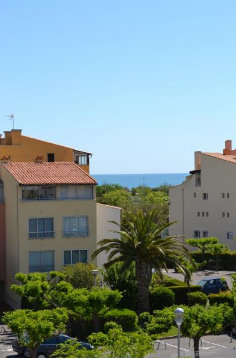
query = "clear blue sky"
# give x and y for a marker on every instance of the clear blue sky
(140, 84)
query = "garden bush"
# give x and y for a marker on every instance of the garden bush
(222, 297)
(181, 293)
(197, 298)
(124, 317)
(226, 260)
(161, 297)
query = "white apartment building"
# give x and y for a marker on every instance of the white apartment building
(204, 204)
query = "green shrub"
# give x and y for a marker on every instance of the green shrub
(124, 317)
(197, 298)
(181, 293)
(161, 321)
(161, 297)
(167, 281)
(226, 260)
(222, 297)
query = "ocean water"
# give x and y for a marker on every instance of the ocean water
(133, 180)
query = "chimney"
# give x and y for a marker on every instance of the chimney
(228, 147)
(8, 139)
(198, 162)
(16, 136)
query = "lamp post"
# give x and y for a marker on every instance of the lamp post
(94, 273)
(179, 315)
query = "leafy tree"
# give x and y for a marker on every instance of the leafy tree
(203, 243)
(118, 197)
(41, 290)
(216, 250)
(124, 280)
(161, 321)
(114, 344)
(143, 244)
(79, 275)
(199, 321)
(106, 188)
(33, 327)
(93, 304)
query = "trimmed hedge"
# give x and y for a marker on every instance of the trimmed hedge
(195, 298)
(222, 297)
(161, 297)
(181, 293)
(226, 260)
(124, 317)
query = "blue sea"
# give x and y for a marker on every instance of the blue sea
(133, 180)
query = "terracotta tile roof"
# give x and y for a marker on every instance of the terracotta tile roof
(45, 173)
(228, 158)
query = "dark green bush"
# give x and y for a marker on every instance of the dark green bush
(181, 293)
(222, 297)
(124, 317)
(197, 298)
(161, 297)
(226, 260)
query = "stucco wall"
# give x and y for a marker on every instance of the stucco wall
(105, 214)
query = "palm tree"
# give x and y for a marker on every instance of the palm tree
(142, 242)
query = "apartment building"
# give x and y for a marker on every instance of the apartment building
(205, 203)
(15, 147)
(48, 218)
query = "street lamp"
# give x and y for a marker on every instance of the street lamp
(94, 273)
(179, 315)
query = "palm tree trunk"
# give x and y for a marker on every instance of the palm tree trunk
(143, 276)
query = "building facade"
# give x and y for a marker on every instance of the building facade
(204, 204)
(14, 147)
(48, 218)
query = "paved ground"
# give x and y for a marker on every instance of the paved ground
(211, 347)
(197, 276)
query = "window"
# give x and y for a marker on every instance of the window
(81, 159)
(73, 256)
(51, 157)
(227, 195)
(205, 233)
(198, 213)
(74, 226)
(76, 192)
(41, 261)
(41, 227)
(194, 195)
(196, 233)
(227, 215)
(203, 214)
(223, 195)
(230, 235)
(223, 215)
(198, 180)
(44, 192)
(204, 196)
(207, 213)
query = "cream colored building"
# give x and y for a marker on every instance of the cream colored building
(48, 218)
(205, 203)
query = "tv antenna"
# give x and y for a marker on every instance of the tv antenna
(11, 117)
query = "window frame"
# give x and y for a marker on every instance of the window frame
(71, 256)
(52, 267)
(74, 233)
(229, 235)
(205, 233)
(198, 235)
(38, 191)
(41, 234)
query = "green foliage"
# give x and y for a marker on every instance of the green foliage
(119, 344)
(160, 321)
(37, 324)
(142, 243)
(203, 243)
(161, 297)
(181, 293)
(199, 321)
(226, 260)
(114, 344)
(126, 318)
(79, 275)
(124, 280)
(197, 298)
(166, 281)
(221, 297)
